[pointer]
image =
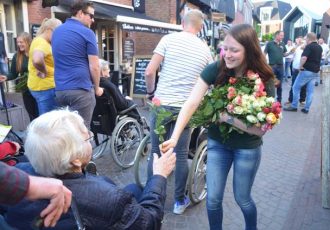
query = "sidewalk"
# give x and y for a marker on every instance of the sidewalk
(287, 188)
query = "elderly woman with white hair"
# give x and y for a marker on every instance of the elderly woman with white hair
(111, 90)
(58, 145)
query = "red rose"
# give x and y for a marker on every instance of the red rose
(232, 80)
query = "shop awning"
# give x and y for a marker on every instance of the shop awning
(129, 19)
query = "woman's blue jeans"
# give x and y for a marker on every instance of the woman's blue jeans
(181, 150)
(246, 162)
(45, 100)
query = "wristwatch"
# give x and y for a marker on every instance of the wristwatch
(230, 120)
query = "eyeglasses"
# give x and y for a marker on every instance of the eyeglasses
(91, 136)
(90, 15)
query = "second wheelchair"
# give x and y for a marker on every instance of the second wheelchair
(196, 182)
(124, 131)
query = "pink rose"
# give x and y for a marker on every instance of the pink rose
(156, 101)
(230, 108)
(251, 75)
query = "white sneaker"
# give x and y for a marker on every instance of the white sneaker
(180, 207)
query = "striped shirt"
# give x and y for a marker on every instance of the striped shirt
(185, 56)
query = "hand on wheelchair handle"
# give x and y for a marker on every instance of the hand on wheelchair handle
(165, 164)
(99, 91)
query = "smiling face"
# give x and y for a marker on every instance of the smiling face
(234, 53)
(21, 44)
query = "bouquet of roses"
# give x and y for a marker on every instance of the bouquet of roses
(243, 98)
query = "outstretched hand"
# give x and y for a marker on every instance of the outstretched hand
(164, 165)
(165, 146)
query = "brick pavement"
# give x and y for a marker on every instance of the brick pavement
(287, 187)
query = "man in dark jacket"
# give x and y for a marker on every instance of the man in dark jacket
(101, 204)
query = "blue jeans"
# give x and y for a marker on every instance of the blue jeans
(287, 68)
(45, 100)
(181, 150)
(278, 71)
(304, 78)
(246, 162)
(295, 73)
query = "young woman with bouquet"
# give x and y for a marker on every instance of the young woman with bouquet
(19, 71)
(241, 146)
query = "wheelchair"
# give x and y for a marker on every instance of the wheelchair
(196, 182)
(121, 129)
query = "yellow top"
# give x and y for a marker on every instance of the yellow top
(36, 83)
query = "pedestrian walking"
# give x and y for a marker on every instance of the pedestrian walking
(41, 67)
(309, 68)
(300, 45)
(183, 56)
(276, 50)
(77, 72)
(288, 60)
(325, 50)
(240, 149)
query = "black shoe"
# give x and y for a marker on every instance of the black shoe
(304, 111)
(316, 83)
(291, 109)
(321, 82)
(91, 168)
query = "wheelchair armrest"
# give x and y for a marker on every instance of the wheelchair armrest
(127, 110)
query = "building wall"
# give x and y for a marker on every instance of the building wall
(36, 13)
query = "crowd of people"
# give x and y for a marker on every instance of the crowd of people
(63, 70)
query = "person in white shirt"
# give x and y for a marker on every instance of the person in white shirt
(183, 56)
(300, 45)
(325, 50)
(288, 60)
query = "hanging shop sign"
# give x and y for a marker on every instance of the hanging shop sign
(147, 29)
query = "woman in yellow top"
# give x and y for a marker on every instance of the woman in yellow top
(41, 67)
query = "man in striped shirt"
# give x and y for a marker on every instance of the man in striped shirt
(183, 56)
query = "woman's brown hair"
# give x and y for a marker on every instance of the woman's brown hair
(20, 54)
(254, 58)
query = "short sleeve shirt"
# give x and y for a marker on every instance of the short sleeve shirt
(235, 140)
(313, 52)
(72, 42)
(36, 83)
(275, 52)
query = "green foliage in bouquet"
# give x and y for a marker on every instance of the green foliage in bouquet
(21, 86)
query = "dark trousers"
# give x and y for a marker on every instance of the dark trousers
(30, 105)
(295, 73)
(278, 71)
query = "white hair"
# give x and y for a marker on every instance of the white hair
(54, 140)
(193, 18)
(103, 64)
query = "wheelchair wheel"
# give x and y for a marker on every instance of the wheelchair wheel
(125, 140)
(141, 161)
(99, 145)
(197, 175)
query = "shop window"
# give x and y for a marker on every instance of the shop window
(10, 27)
(108, 44)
